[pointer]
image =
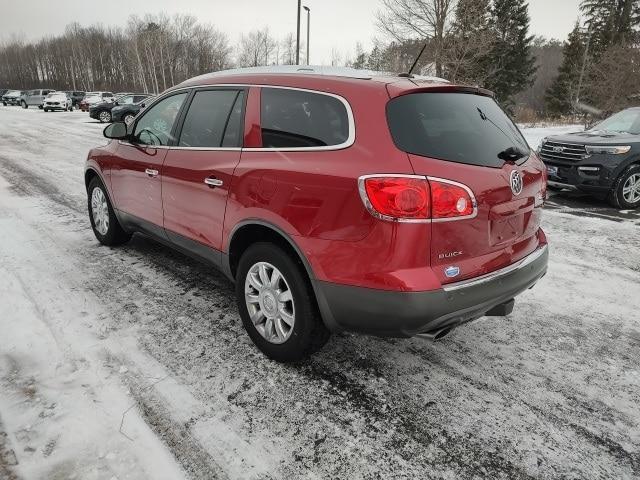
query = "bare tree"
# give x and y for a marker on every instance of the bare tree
(424, 19)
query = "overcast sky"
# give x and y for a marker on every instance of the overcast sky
(334, 23)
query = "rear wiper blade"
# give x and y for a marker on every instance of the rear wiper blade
(512, 154)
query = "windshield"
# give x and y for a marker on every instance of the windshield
(13, 93)
(56, 94)
(627, 121)
(459, 127)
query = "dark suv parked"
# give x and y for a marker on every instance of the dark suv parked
(126, 113)
(603, 161)
(12, 97)
(102, 111)
(338, 201)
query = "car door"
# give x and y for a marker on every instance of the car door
(198, 171)
(136, 172)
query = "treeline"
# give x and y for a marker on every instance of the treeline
(601, 65)
(477, 42)
(149, 54)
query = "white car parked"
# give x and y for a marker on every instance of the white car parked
(58, 101)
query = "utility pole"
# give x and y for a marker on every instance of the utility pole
(298, 36)
(308, 30)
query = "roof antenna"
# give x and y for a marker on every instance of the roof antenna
(409, 74)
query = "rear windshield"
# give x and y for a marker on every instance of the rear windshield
(458, 127)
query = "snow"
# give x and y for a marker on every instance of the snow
(132, 362)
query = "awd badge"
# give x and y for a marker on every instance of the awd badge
(452, 272)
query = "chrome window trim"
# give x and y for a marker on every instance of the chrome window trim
(532, 257)
(351, 120)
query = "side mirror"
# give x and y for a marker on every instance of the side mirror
(116, 131)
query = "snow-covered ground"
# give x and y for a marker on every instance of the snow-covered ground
(131, 363)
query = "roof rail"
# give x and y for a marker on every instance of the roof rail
(317, 70)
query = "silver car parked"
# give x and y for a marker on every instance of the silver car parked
(34, 97)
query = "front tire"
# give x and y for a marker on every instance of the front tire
(24, 104)
(103, 219)
(277, 304)
(625, 193)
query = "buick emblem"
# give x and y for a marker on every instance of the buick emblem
(516, 182)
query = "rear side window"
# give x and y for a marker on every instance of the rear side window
(458, 127)
(208, 119)
(301, 119)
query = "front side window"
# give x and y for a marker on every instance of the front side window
(155, 127)
(126, 100)
(301, 119)
(208, 118)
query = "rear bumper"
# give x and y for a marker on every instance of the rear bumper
(405, 314)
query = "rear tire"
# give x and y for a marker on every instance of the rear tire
(290, 297)
(103, 219)
(104, 116)
(620, 196)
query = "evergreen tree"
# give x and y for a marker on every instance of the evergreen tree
(510, 58)
(470, 39)
(611, 22)
(563, 91)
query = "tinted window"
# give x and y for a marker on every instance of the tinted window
(458, 127)
(207, 118)
(154, 128)
(293, 118)
(234, 131)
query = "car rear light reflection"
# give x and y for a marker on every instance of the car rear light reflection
(412, 198)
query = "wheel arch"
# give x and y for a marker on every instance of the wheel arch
(248, 232)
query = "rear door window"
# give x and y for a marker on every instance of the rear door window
(208, 118)
(302, 119)
(458, 127)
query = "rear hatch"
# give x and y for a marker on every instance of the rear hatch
(466, 137)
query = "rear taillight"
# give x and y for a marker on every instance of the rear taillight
(412, 198)
(450, 200)
(396, 198)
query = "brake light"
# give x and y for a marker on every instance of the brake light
(396, 198)
(412, 198)
(450, 200)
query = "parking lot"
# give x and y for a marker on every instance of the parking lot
(133, 363)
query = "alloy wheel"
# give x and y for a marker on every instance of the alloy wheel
(631, 189)
(105, 117)
(100, 211)
(128, 119)
(269, 302)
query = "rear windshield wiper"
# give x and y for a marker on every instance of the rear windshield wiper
(512, 154)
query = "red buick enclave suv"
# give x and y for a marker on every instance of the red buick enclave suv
(335, 200)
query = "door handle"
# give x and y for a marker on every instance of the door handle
(213, 182)
(151, 172)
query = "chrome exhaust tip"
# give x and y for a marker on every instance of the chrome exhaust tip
(435, 335)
